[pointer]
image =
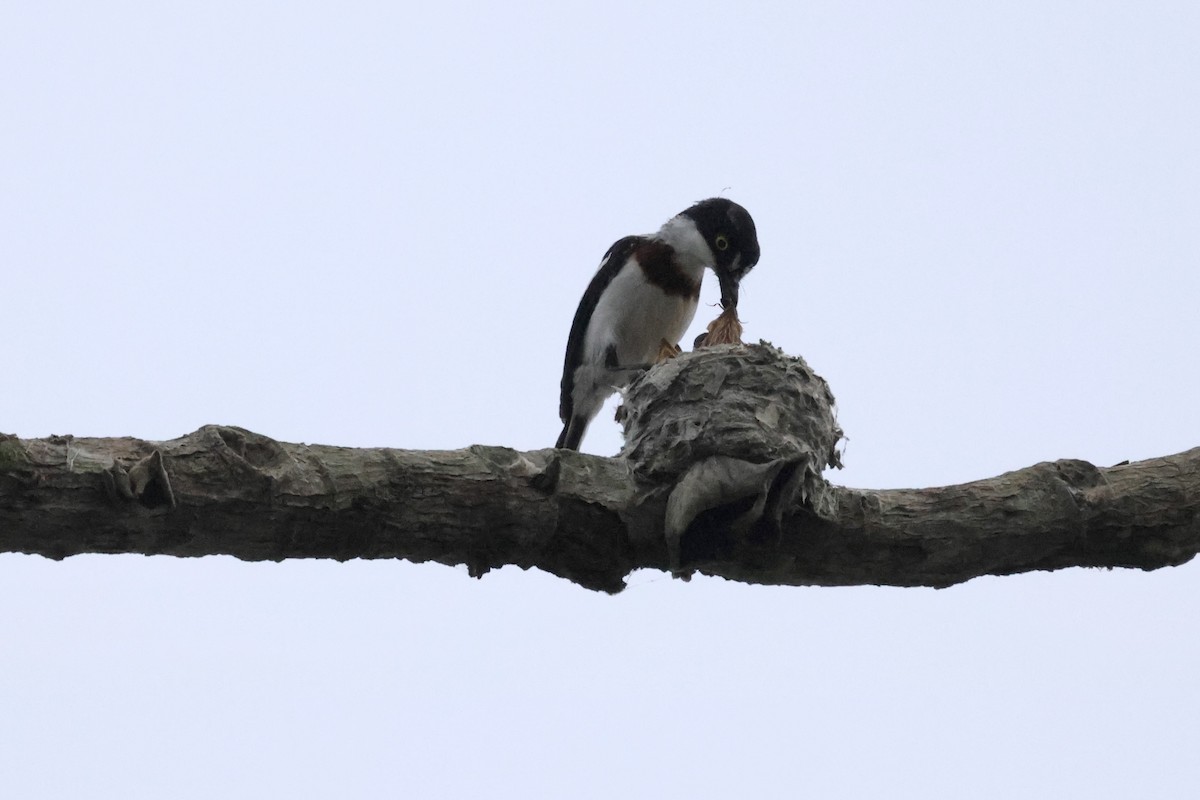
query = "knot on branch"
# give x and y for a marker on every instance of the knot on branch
(741, 433)
(145, 482)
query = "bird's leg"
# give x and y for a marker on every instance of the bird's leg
(667, 351)
(621, 376)
(626, 372)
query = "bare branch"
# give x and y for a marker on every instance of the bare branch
(762, 519)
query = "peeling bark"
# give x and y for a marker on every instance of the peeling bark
(592, 520)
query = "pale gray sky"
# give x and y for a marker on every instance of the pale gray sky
(369, 224)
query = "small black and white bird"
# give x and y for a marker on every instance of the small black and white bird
(642, 300)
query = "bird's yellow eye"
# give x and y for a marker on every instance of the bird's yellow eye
(722, 242)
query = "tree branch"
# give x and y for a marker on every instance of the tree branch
(592, 520)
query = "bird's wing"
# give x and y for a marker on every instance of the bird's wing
(613, 260)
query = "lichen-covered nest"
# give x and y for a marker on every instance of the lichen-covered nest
(732, 425)
(752, 402)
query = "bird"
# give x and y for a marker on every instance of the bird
(642, 299)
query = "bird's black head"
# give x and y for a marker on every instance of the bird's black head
(729, 231)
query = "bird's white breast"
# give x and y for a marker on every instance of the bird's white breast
(635, 315)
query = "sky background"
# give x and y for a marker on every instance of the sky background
(369, 224)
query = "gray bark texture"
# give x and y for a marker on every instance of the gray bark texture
(721, 474)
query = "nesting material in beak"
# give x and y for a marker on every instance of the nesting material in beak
(725, 329)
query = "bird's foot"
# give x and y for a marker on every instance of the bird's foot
(667, 351)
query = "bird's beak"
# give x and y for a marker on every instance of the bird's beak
(729, 290)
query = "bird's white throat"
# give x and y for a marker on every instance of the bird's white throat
(692, 253)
